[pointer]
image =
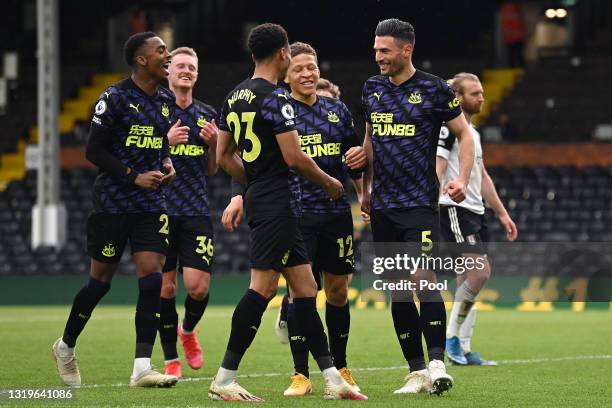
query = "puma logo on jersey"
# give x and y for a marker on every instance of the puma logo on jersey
(377, 95)
(135, 107)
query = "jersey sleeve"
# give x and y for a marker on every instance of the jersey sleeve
(212, 112)
(349, 138)
(277, 110)
(445, 142)
(365, 105)
(446, 105)
(104, 111)
(222, 117)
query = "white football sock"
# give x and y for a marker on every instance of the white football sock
(466, 331)
(225, 377)
(64, 349)
(333, 375)
(141, 364)
(464, 300)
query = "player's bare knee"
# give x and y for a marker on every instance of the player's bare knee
(198, 292)
(168, 290)
(305, 289)
(265, 289)
(337, 293)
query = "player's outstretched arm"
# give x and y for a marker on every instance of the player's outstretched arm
(210, 134)
(358, 185)
(369, 170)
(305, 166)
(489, 193)
(226, 147)
(457, 188)
(441, 164)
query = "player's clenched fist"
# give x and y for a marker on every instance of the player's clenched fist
(334, 188)
(456, 190)
(169, 172)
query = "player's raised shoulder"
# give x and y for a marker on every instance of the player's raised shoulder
(432, 79)
(375, 80)
(166, 93)
(337, 110)
(204, 106)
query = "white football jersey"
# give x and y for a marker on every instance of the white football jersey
(448, 148)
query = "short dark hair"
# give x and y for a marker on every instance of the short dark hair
(398, 29)
(265, 39)
(298, 48)
(133, 44)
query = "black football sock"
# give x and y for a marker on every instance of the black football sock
(297, 342)
(338, 321)
(245, 323)
(284, 308)
(194, 310)
(311, 326)
(147, 313)
(83, 305)
(408, 330)
(168, 322)
(433, 323)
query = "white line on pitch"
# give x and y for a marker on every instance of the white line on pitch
(390, 368)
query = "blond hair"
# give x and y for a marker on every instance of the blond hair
(186, 51)
(329, 86)
(456, 82)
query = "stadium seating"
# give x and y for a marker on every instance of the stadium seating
(555, 102)
(547, 204)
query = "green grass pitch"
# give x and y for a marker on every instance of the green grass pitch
(547, 359)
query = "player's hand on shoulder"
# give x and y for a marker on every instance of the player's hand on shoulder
(456, 190)
(150, 180)
(178, 134)
(169, 172)
(356, 158)
(209, 134)
(334, 188)
(509, 227)
(232, 215)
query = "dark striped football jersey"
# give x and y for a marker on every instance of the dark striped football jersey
(326, 132)
(187, 194)
(138, 125)
(406, 122)
(255, 112)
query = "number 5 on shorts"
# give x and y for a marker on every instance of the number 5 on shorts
(427, 242)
